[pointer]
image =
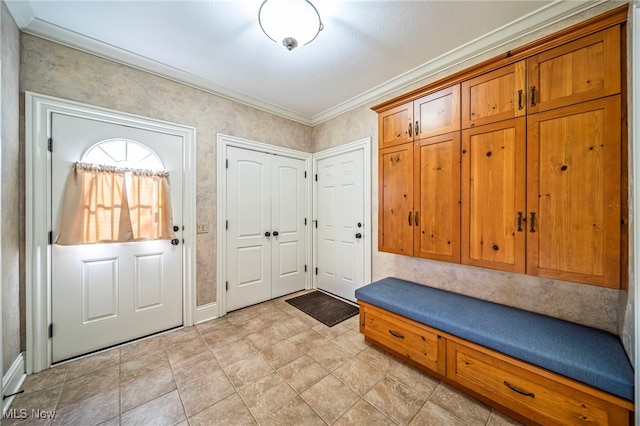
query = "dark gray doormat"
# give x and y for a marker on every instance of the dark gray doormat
(326, 309)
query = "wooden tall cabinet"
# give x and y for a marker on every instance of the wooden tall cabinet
(493, 195)
(535, 160)
(395, 199)
(574, 164)
(437, 198)
(419, 182)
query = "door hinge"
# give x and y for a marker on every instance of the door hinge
(305, 221)
(226, 224)
(50, 237)
(316, 271)
(50, 330)
(305, 175)
(305, 268)
(316, 177)
(227, 163)
(316, 221)
(50, 145)
(226, 285)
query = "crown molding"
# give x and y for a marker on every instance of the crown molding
(528, 24)
(551, 14)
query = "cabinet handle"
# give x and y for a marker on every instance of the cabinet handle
(416, 128)
(533, 95)
(410, 218)
(521, 392)
(416, 216)
(533, 228)
(396, 334)
(409, 130)
(520, 106)
(519, 221)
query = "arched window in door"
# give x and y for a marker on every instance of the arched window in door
(123, 153)
(119, 192)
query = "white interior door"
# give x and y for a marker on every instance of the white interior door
(105, 294)
(288, 215)
(248, 228)
(265, 233)
(340, 227)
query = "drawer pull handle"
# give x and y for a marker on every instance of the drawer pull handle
(521, 392)
(396, 334)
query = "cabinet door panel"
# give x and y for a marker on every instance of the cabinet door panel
(437, 113)
(585, 69)
(495, 96)
(493, 192)
(574, 177)
(437, 198)
(395, 198)
(395, 126)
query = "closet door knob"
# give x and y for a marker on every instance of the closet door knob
(267, 234)
(275, 233)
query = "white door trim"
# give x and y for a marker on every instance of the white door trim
(39, 109)
(365, 146)
(225, 141)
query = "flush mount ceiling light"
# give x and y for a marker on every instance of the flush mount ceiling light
(291, 23)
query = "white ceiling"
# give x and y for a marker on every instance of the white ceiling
(366, 50)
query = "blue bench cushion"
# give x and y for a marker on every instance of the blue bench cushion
(582, 353)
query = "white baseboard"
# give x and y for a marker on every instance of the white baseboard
(13, 380)
(206, 312)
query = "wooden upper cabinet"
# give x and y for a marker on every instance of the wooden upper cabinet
(493, 195)
(395, 126)
(434, 114)
(585, 69)
(437, 113)
(395, 199)
(495, 96)
(437, 198)
(574, 190)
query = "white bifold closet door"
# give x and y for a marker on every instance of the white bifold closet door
(266, 247)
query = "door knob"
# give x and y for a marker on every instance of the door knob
(275, 233)
(176, 228)
(267, 234)
(358, 235)
(175, 242)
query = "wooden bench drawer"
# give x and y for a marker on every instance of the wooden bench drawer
(410, 339)
(530, 391)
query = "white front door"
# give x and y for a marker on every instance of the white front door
(106, 294)
(264, 227)
(340, 219)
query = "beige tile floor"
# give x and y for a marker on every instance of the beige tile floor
(268, 364)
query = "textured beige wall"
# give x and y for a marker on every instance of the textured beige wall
(52, 69)
(11, 187)
(590, 305)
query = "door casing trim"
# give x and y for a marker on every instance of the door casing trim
(39, 109)
(225, 141)
(364, 145)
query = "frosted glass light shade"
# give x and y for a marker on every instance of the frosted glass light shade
(291, 23)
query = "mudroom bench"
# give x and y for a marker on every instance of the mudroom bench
(538, 369)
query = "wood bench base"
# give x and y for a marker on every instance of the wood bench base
(530, 394)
